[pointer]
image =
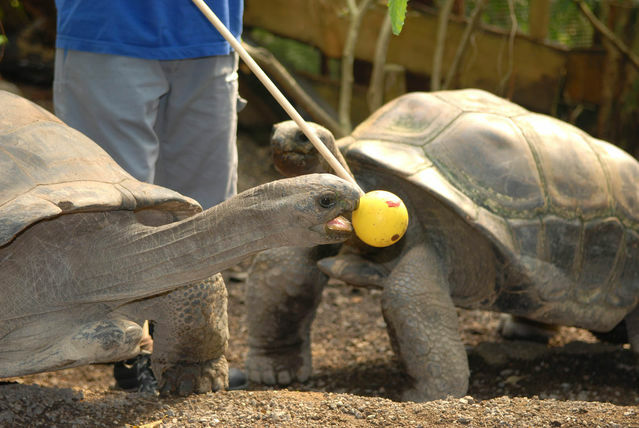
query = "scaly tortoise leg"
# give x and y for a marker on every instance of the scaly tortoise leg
(283, 292)
(423, 327)
(190, 337)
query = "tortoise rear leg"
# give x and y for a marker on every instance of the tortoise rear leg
(104, 341)
(518, 328)
(42, 346)
(423, 327)
(283, 292)
(190, 336)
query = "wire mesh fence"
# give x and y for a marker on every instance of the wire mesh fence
(566, 25)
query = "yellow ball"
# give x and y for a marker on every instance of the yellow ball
(380, 219)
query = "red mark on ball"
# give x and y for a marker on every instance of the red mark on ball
(392, 204)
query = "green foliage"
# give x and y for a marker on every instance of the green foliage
(3, 39)
(397, 11)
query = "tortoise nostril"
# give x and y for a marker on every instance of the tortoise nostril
(300, 136)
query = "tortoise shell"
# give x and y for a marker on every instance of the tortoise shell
(48, 169)
(555, 201)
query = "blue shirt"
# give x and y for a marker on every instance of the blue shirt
(151, 29)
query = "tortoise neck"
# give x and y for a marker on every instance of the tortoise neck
(215, 239)
(159, 259)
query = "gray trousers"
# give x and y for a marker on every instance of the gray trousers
(172, 123)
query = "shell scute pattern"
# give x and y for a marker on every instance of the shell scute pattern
(579, 190)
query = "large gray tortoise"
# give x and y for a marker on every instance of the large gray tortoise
(510, 211)
(87, 253)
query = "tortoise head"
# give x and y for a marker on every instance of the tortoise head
(294, 154)
(307, 210)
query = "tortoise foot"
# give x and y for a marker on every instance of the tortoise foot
(194, 378)
(278, 366)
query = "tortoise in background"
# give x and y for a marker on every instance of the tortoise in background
(510, 211)
(87, 253)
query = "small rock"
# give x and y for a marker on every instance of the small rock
(6, 417)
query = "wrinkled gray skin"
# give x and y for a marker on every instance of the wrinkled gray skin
(87, 253)
(509, 211)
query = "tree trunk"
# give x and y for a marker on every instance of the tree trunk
(375, 96)
(442, 26)
(538, 19)
(605, 31)
(356, 14)
(463, 44)
(507, 81)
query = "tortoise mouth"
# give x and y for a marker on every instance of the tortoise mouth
(339, 227)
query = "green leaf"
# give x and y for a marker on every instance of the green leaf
(397, 11)
(3, 39)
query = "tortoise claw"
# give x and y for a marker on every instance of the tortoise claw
(194, 378)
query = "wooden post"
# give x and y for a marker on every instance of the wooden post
(394, 81)
(538, 19)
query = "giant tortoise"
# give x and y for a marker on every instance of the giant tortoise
(510, 211)
(87, 253)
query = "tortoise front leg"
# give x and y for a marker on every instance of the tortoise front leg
(282, 294)
(423, 327)
(190, 337)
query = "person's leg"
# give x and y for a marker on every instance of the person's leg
(197, 127)
(114, 101)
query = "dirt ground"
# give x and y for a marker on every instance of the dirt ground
(574, 381)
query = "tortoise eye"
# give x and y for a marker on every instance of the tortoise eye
(327, 200)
